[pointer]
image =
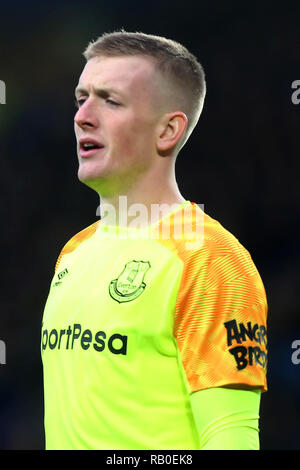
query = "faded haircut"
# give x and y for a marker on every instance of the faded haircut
(179, 67)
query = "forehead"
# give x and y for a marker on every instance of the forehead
(122, 74)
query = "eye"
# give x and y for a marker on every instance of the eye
(112, 102)
(78, 103)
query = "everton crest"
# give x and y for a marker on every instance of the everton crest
(130, 283)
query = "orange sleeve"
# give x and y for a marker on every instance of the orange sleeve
(221, 311)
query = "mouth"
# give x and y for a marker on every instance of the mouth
(89, 147)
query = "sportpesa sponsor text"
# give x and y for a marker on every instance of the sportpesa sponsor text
(74, 335)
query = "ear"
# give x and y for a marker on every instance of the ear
(171, 130)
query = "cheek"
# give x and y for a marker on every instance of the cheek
(132, 133)
(133, 138)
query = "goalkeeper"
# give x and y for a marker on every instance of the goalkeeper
(154, 333)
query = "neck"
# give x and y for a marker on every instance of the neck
(142, 204)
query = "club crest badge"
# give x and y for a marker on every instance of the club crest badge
(130, 283)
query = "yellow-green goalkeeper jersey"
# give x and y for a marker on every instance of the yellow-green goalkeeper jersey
(136, 321)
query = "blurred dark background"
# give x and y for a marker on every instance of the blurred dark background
(242, 163)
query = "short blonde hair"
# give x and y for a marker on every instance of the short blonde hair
(176, 64)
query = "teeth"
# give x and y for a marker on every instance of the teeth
(88, 145)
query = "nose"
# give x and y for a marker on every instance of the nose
(86, 116)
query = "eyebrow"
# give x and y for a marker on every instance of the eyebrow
(101, 92)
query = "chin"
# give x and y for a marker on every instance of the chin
(88, 171)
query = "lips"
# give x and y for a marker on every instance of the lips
(89, 147)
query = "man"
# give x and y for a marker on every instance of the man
(154, 334)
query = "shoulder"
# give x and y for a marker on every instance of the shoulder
(222, 245)
(77, 240)
(207, 244)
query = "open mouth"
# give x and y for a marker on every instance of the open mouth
(90, 146)
(88, 149)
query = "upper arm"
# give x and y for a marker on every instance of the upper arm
(221, 313)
